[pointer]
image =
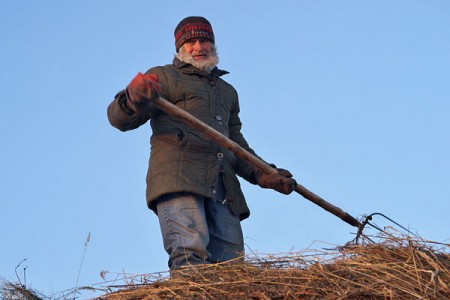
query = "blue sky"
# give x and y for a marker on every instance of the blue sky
(351, 96)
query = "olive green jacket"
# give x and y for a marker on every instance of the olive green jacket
(181, 159)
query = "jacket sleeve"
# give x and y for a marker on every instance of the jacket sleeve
(123, 117)
(243, 168)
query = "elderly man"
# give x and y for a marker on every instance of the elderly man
(191, 181)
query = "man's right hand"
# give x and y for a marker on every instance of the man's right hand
(141, 89)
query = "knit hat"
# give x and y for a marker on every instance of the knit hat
(192, 27)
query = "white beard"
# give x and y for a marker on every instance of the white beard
(206, 65)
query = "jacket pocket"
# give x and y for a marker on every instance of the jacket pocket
(196, 143)
(174, 137)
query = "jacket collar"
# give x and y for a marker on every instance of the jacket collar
(190, 69)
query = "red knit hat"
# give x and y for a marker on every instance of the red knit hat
(192, 27)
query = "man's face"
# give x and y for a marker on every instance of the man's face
(199, 48)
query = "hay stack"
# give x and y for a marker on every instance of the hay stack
(11, 291)
(395, 268)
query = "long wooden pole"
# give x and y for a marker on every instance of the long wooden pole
(234, 147)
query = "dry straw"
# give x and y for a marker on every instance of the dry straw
(393, 268)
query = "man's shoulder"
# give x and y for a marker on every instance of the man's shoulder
(161, 68)
(219, 73)
(164, 71)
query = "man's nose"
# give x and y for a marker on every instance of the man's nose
(197, 45)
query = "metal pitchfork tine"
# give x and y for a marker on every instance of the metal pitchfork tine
(369, 218)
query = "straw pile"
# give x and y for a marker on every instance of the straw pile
(11, 291)
(396, 268)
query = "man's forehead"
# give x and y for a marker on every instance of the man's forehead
(194, 39)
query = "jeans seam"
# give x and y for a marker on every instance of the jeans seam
(173, 241)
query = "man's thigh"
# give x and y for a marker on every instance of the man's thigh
(225, 231)
(184, 228)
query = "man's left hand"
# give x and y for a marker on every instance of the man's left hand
(281, 181)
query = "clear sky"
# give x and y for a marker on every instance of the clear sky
(351, 96)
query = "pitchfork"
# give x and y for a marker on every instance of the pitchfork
(224, 141)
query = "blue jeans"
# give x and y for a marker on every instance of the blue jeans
(198, 230)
